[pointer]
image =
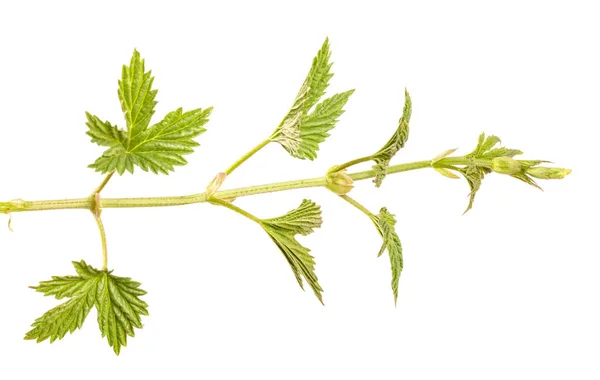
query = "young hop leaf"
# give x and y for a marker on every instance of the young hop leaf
(474, 175)
(301, 132)
(383, 157)
(116, 299)
(66, 317)
(157, 148)
(484, 150)
(282, 230)
(386, 225)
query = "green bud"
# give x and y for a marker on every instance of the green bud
(542, 172)
(506, 165)
(339, 182)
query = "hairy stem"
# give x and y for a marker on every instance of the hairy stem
(19, 205)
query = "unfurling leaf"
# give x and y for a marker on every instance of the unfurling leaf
(157, 148)
(282, 230)
(395, 143)
(443, 155)
(385, 223)
(301, 132)
(474, 175)
(116, 299)
(446, 173)
(484, 150)
(498, 157)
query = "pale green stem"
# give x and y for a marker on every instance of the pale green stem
(87, 203)
(337, 168)
(103, 238)
(247, 156)
(232, 207)
(97, 210)
(357, 205)
(106, 179)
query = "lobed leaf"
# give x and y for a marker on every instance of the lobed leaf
(160, 147)
(157, 148)
(301, 132)
(282, 230)
(116, 298)
(70, 315)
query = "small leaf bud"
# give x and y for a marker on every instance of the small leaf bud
(506, 165)
(542, 172)
(339, 182)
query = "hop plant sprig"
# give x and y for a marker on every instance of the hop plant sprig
(161, 147)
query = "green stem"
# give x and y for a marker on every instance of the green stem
(337, 168)
(103, 238)
(97, 210)
(232, 207)
(357, 205)
(99, 188)
(87, 203)
(247, 156)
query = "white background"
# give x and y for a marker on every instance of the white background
(509, 290)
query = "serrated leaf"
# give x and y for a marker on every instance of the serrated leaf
(483, 145)
(395, 143)
(105, 134)
(319, 75)
(316, 125)
(282, 230)
(500, 152)
(116, 298)
(136, 95)
(119, 309)
(474, 175)
(301, 132)
(70, 315)
(385, 223)
(158, 148)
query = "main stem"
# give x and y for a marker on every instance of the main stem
(87, 203)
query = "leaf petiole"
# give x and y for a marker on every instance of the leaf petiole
(246, 156)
